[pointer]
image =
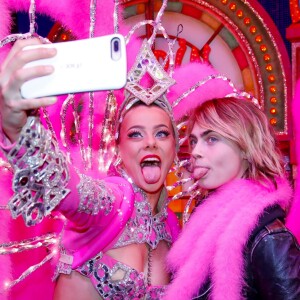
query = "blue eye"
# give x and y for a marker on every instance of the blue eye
(162, 133)
(212, 139)
(134, 134)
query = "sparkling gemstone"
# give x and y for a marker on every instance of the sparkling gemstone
(23, 180)
(145, 61)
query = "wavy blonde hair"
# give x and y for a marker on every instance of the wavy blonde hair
(243, 123)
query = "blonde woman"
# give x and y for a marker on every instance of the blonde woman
(238, 245)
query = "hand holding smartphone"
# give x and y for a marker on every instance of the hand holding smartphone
(80, 66)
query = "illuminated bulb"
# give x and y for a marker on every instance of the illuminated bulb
(224, 1)
(273, 121)
(271, 78)
(258, 39)
(273, 89)
(232, 6)
(267, 57)
(247, 21)
(263, 48)
(253, 29)
(269, 67)
(273, 100)
(273, 110)
(239, 13)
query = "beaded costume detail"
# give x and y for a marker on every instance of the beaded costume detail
(115, 280)
(94, 196)
(40, 174)
(143, 227)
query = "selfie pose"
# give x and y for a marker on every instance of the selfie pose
(238, 245)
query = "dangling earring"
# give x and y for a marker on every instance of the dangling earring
(117, 162)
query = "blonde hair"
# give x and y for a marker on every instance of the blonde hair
(243, 123)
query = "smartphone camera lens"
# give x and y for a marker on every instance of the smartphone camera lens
(115, 49)
(116, 45)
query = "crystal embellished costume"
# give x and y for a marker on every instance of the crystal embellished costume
(103, 214)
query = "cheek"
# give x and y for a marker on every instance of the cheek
(126, 153)
(230, 164)
(220, 159)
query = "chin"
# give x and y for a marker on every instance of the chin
(152, 188)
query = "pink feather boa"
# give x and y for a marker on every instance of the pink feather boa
(292, 221)
(213, 240)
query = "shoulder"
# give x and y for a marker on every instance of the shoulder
(272, 236)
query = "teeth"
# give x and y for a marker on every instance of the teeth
(150, 162)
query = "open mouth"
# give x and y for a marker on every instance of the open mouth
(150, 162)
(151, 168)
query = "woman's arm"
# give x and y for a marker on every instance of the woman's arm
(42, 178)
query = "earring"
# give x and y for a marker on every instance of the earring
(118, 161)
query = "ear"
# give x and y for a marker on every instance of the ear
(243, 155)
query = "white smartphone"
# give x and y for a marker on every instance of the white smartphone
(81, 66)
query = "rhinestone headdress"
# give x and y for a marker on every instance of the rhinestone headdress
(147, 64)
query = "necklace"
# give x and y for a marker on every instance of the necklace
(149, 265)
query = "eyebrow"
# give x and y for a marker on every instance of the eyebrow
(202, 135)
(142, 127)
(206, 132)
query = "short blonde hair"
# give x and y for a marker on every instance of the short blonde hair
(243, 123)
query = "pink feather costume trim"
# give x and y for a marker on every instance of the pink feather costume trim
(214, 238)
(292, 221)
(186, 77)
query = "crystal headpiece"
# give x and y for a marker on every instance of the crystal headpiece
(146, 62)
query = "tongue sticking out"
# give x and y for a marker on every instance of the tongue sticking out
(151, 174)
(199, 173)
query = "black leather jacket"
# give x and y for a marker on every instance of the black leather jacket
(272, 261)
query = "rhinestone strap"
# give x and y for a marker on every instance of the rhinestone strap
(40, 173)
(143, 227)
(94, 196)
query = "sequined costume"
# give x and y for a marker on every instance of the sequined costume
(105, 214)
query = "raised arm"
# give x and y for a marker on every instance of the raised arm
(42, 175)
(14, 109)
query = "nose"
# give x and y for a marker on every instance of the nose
(150, 142)
(197, 151)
